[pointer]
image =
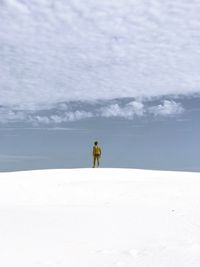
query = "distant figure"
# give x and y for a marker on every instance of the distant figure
(96, 154)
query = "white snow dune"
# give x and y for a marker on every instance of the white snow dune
(99, 218)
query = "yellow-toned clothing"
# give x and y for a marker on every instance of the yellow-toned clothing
(96, 155)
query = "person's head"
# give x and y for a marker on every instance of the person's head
(96, 143)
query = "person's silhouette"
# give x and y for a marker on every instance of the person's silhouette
(96, 154)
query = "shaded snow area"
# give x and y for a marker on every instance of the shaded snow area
(99, 218)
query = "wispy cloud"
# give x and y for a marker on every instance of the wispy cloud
(18, 158)
(53, 51)
(7, 114)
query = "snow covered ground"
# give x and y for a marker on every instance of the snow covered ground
(99, 218)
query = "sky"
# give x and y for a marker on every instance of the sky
(125, 73)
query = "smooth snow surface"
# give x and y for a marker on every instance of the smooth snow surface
(99, 218)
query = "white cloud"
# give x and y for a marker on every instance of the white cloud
(54, 51)
(167, 108)
(60, 118)
(128, 111)
(77, 115)
(139, 109)
(40, 119)
(136, 107)
(61, 113)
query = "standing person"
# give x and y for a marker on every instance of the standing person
(96, 154)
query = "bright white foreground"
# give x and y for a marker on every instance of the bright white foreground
(99, 218)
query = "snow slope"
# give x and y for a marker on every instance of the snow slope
(99, 218)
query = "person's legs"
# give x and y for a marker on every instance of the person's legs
(98, 157)
(94, 161)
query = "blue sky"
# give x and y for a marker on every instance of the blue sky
(124, 72)
(146, 140)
